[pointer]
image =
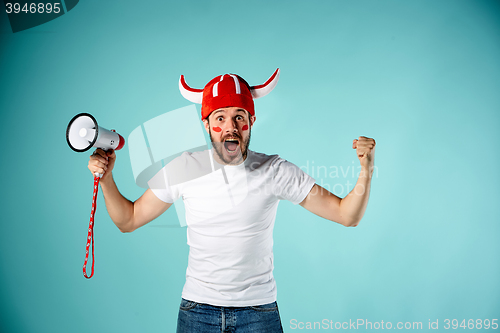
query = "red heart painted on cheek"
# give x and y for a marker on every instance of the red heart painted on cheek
(244, 128)
(217, 128)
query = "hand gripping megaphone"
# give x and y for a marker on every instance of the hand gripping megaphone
(82, 134)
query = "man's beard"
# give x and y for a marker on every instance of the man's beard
(219, 146)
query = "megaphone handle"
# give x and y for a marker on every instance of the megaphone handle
(91, 230)
(101, 174)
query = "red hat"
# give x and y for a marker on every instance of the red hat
(225, 91)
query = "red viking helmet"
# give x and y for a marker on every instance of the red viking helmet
(225, 91)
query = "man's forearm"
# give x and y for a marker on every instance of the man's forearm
(353, 205)
(120, 209)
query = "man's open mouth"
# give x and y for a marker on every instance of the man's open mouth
(231, 145)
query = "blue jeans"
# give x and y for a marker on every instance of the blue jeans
(204, 318)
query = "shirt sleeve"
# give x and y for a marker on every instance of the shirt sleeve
(160, 187)
(290, 182)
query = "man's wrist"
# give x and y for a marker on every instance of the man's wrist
(366, 171)
(106, 180)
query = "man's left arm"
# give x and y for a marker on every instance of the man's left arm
(349, 210)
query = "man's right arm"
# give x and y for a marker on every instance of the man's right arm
(126, 215)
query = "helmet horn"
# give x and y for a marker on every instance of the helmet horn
(266, 88)
(191, 94)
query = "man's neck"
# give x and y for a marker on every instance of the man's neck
(221, 162)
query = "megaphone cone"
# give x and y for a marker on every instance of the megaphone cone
(83, 133)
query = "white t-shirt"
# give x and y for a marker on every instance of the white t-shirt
(230, 213)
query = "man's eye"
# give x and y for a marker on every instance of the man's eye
(219, 118)
(239, 118)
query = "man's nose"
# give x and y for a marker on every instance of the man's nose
(231, 126)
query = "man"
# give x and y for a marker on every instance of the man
(231, 196)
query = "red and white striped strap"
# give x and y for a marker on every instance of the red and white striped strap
(91, 231)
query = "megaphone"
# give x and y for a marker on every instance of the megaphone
(83, 133)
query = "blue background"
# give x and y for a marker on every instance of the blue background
(420, 77)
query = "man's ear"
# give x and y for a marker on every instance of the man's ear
(207, 125)
(252, 120)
